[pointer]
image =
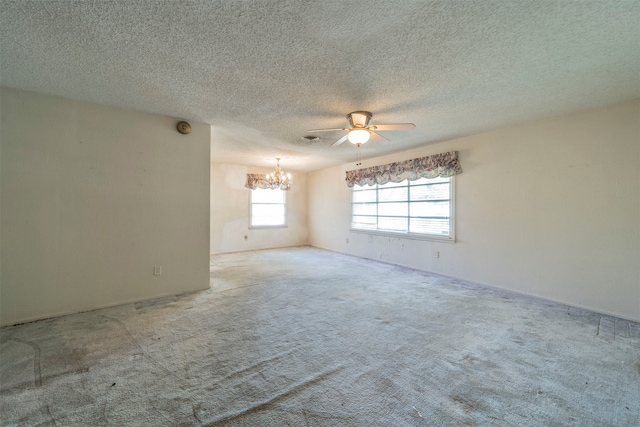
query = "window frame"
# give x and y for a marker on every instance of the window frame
(451, 237)
(284, 204)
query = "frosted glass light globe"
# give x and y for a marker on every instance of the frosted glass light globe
(358, 136)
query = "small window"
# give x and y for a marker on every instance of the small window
(268, 208)
(422, 208)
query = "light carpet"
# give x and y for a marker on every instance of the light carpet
(306, 337)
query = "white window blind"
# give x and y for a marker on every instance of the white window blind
(423, 207)
(268, 208)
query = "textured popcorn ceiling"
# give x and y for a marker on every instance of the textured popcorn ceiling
(263, 72)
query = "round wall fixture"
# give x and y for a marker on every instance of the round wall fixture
(184, 127)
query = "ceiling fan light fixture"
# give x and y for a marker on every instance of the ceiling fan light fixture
(358, 136)
(361, 130)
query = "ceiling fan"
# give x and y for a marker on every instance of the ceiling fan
(360, 130)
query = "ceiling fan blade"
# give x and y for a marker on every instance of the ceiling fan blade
(393, 126)
(376, 137)
(326, 130)
(340, 141)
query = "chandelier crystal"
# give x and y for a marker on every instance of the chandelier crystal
(278, 178)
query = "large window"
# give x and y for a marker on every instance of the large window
(422, 208)
(268, 208)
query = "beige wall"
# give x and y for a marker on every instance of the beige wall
(92, 199)
(230, 211)
(550, 209)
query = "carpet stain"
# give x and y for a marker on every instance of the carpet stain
(256, 406)
(466, 404)
(37, 374)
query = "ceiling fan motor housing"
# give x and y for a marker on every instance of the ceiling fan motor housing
(359, 119)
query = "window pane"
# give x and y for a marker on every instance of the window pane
(392, 224)
(267, 214)
(393, 184)
(393, 209)
(267, 207)
(260, 195)
(364, 222)
(259, 221)
(364, 209)
(395, 194)
(364, 196)
(267, 210)
(422, 207)
(429, 226)
(422, 181)
(429, 209)
(430, 192)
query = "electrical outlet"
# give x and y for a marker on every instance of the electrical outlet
(436, 254)
(157, 270)
(347, 240)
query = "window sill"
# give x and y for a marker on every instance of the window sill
(410, 236)
(266, 227)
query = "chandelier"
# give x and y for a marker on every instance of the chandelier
(278, 179)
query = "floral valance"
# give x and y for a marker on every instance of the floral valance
(256, 180)
(438, 165)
